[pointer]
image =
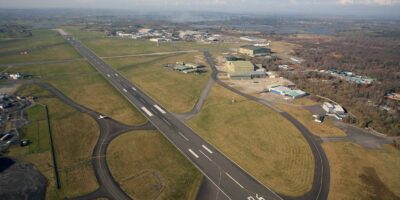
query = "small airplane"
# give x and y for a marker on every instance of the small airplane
(102, 117)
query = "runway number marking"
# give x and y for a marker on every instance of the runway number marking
(193, 153)
(158, 108)
(234, 180)
(209, 151)
(255, 198)
(147, 111)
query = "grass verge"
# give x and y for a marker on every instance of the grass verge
(162, 172)
(176, 91)
(359, 173)
(75, 135)
(258, 139)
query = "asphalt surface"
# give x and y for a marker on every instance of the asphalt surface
(109, 129)
(230, 179)
(320, 186)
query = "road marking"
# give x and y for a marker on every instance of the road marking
(209, 151)
(125, 90)
(194, 154)
(205, 155)
(108, 75)
(147, 111)
(116, 75)
(134, 89)
(234, 180)
(166, 121)
(140, 99)
(158, 108)
(184, 137)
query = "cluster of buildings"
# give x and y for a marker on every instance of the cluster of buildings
(15, 76)
(334, 110)
(187, 68)
(286, 91)
(168, 36)
(350, 76)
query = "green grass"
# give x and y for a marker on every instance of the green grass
(80, 82)
(258, 139)
(176, 91)
(144, 163)
(106, 46)
(75, 135)
(360, 173)
(37, 130)
(43, 45)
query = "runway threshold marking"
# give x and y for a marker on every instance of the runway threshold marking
(159, 109)
(205, 155)
(134, 89)
(193, 153)
(234, 180)
(116, 75)
(206, 148)
(125, 90)
(147, 111)
(184, 137)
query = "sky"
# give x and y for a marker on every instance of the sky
(335, 7)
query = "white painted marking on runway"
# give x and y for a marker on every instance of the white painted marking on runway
(134, 89)
(116, 75)
(209, 151)
(205, 155)
(193, 153)
(184, 137)
(108, 75)
(125, 90)
(147, 111)
(158, 108)
(234, 180)
(166, 121)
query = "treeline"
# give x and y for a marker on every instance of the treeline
(376, 57)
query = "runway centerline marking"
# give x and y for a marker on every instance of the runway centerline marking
(166, 121)
(147, 111)
(207, 149)
(184, 137)
(205, 155)
(234, 180)
(193, 153)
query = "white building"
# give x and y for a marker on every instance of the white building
(334, 110)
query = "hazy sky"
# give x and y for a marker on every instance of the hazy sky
(368, 7)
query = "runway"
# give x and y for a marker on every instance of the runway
(231, 180)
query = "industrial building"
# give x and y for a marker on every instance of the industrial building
(243, 70)
(285, 91)
(334, 110)
(254, 51)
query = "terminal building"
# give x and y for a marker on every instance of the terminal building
(254, 51)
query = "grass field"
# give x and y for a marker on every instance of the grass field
(106, 46)
(325, 129)
(359, 173)
(161, 171)
(43, 45)
(75, 135)
(79, 81)
(176, 91)
(258, 139)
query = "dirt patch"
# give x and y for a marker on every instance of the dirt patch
(9, 88)
(375, 187)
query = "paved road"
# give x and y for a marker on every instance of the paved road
(320, 186)
(109, 130)
(230, 179)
